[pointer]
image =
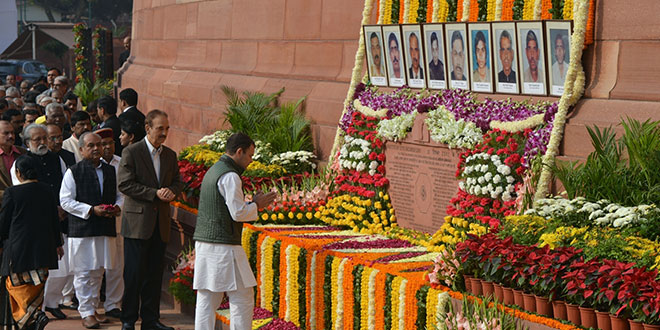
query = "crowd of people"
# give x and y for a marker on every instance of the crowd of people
(78, 220)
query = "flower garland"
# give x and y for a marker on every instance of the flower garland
(519, 126)
(568, 9)
(396, 128)
(367, 111)
(546, 9)
(339, 325)
(538, 6)
(402, 11)
(465, 14)
(429, 11)
(473, 12)
(371, 293)
(266, 291)
(98, 56)
(490, 16)
(356, 75)
(498, 10)
(383, 10)
(528, 10)
(79, 50)
(507, 10)
(573, 89)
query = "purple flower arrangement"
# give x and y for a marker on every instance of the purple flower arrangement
(463, 105)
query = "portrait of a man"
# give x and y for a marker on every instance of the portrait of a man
(375, 53)
(481, 62)
(531, 57)
(559, 51)
(506, 53)
(457, 56)
(533, 72)
(415, 71)
(558, 45)
(376, 67)
(394, 56)
(436, 67)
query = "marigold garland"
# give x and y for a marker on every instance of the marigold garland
(507, 10)
(545, 9)
(429, 11)
(402, 10)
(459, 10)
(528, 10)
(474, 11)
(490, 16)
(537, 9)
(568, 9)
(387, 14)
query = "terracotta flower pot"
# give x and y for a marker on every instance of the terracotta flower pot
(468, 284)
(518, 298)
(651, 326)
(634, 325)
(619, 323)
(559, 309)
(588, 317)
(529, 302)
(543, 306)
(573, 314)
(603, 320)
(507, 296)
(487, 288)
(498, 292)
(476, 286)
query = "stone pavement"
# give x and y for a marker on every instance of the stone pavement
(168, 315)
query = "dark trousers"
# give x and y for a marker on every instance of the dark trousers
(143, 274)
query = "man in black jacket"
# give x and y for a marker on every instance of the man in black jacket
(128, 99)
(107, 111)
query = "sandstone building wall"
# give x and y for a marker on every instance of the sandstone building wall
(184, 50)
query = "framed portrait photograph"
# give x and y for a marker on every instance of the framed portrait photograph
(373, 42)
(531, 57)
(456, 36)
(558, 43)
(505, 58)
(434, 45)
(394, 55)
(414, 50)
(481, 57)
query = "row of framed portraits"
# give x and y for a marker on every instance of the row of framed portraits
(528, 57)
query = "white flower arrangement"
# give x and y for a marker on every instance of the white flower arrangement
(396, 128)
(262, 151)
(217, 140)
(295, 161)
(354, 155)
(444, 128)
(602, 212)
(487, 175)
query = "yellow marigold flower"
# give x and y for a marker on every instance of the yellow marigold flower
(380, 194)
(386, 197)
(264, 216)
(280, 216)
(299, 216)
(273, 217)
(309, 215)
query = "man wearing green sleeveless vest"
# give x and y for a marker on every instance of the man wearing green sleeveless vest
(221, 265)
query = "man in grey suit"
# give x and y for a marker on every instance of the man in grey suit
(149, 179)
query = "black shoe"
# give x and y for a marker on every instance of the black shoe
(56, 312)
(72, 305)
(156, 326)
(41, 320)
(127, 326)
(114, 313)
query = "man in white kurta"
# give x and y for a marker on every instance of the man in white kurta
(90, 254)
(114, 277)
(223, 267)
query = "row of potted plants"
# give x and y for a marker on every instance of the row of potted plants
(556, 275)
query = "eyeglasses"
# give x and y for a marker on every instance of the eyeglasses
(56, 138)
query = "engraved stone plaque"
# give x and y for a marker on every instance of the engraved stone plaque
(422, 179)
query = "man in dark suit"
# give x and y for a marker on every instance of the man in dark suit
(149, 179)
(8, 153)
(107, 111)
(125, 54)
(128, 99)
(55, 140)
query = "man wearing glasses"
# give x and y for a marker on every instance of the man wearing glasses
(507, 75)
